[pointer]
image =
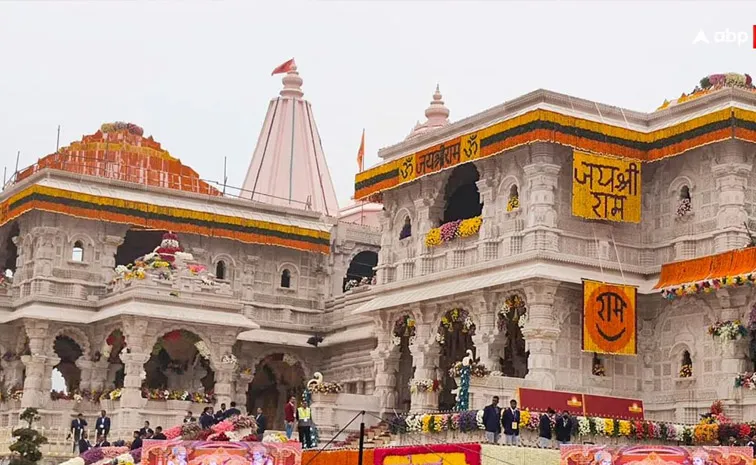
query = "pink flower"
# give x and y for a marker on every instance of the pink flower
(173, 433)
(113, 452)
(222, 427)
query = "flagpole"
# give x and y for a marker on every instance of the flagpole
(362, 202)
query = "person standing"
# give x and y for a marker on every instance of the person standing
(220, 415)
(233, 411)
(304, 425)
(492, 421)
(544, 429)
(563, 428)
(77, 429)
(511, 423)
(102, 425)
(290, 416)
(261, 423)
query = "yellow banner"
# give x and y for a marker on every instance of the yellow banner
(605, 188)
(609, 318)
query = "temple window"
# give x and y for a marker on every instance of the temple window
(220, 270)
(686, 365)
(597, 368)
(286, 278)
(137, 243)
(361, 271)
(462, 196)
(66, 376)
(406, 229)
(513, 202)
(684, 204)
(77, 254)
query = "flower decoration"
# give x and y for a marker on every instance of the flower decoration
(404, 327)
(597, 368)
(453, 229)
(711, 83)
(728, 330)
(424, 385)
(203, 349)
(450, 320)
(512, 309)
(121, 126)
(708, 285)
(230, 359)
(513, 203)
(684, 207)
(686, 370)
(477, 369)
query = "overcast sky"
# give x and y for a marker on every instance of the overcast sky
(196, 75)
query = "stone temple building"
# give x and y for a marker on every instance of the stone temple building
(151, 291)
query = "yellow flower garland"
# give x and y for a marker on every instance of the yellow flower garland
(469, 227)
(433, 238)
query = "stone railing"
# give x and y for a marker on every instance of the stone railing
(180, 281)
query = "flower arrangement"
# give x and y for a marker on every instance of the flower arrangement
(121, 126)
(684, 207)
(230, 359)
(203, 349)
(598, 366)
(686, 370)
(708, 285)
(477, 370)
(513, 308)
(424, 385)
(289, 360)
(449, 319)
(746, 380)
(453, 229)
(513, 203)
(113, 394)
(403, 327)
(711, 83)
(326, 388)
(728, 330)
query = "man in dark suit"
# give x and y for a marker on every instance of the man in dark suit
(146, 431)
(233, 411)
(563, 428)
(159, 434)
(84, 444)
(220, 415)
(261, 423)
(102, 442)
(206, 420)
(137, 442)
(77, 428)
(492, 421)
(102, 425)
(510, 421)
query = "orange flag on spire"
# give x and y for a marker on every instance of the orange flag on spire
(361, 153)
(284, 68)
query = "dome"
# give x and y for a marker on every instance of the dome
(120, 151)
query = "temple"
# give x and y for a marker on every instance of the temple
(588, 257)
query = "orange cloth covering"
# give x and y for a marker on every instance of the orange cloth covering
(731, 263)
(336, 457)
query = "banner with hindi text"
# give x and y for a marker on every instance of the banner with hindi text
(609, 318)
(606, 188)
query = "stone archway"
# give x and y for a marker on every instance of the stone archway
(454, 335)
(511, 317)
(180, 360)
(110, 358)
(69, 351)
(277, 377)
(402, 335)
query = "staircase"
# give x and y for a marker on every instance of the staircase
(375, 436)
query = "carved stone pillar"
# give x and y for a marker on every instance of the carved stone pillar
(224, 376)
(731, 172)
(109, 246)
(43, 252)
(242, 384)
(383, 253)
(541, 179)
(99, 375)
(34, 381)
(425, 355)
(14, 373)
(132, 382)
(488, 346)
(731, 302)
(386, 365)
(86, 367)
(541, 332)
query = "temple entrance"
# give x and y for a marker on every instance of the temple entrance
(277, 377)
(454, 334)
(404, 335)
(68, 351)
(461, 194)
(180, 361)
(513, 361)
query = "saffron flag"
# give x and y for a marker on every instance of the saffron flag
(361, 153)
(609, 318)
(284, 68)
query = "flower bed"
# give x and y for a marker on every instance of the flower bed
(325, 388)
(453, 229)
(165, 394)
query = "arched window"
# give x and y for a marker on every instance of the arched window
(220, 270)
(361, 270)
(286, 278)
(406, 229)
(686, 365)
(513, 202)
(684, 192)
(461, 194)
(77, 254)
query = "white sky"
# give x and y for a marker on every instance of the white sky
(196, 75)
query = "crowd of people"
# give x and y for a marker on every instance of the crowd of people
(551, 426)
(207, 419)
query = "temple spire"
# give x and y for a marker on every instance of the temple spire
(288, 165)
(437, 115)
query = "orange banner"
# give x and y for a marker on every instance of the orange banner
(727, 264)
(609, 318)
